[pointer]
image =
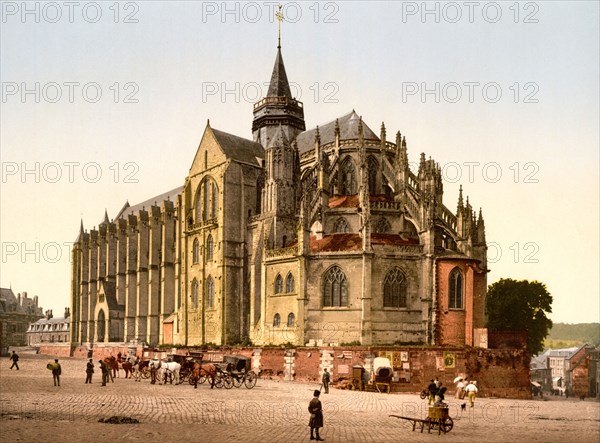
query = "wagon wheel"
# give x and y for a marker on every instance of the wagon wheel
(250, 380)
(145, 373)
(423, 394)
(238, 380)
(228, 381)
(219, 381)
(191, 381)
(446, 424)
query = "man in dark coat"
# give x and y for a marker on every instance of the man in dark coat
(56, 371)
(15, 358)
(105, 371)
(325, 380)
(316, 416)
(89, 370)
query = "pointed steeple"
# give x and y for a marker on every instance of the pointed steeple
(81, 228)
(278, 107)
(106, 216)
(279, 86)
(460, 201)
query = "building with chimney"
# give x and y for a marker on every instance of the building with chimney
(290, 236)
(16, 313)
(50, 329)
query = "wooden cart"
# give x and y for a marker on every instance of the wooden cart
(437, 417)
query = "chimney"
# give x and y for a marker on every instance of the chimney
(48, 314)
(67, 313)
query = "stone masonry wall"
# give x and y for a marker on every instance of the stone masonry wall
(499, 372)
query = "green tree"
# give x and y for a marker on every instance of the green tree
(520, 305)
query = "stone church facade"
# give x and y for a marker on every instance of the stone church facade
(296, 236)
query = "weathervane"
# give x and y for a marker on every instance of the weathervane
(280, 18)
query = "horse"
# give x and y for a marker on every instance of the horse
(207, 369)
(164, 366)
(129, 366)
(113, 366)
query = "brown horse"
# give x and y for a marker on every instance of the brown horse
(204, 369)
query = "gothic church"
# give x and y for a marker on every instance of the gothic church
(320, 236)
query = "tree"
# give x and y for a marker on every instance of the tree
(520, 305)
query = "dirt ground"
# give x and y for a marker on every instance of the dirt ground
(32, 409)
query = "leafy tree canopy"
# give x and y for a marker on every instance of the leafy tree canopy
(520, 305)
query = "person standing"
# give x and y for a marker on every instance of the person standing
(432, 388)
(460, 389)
(325, 380)
(56, 371)
(89, 370)
(15, 358)
(471, 391)
(316, 416)
(105, 371)
(152, 373)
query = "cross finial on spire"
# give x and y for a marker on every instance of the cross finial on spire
(280, 18)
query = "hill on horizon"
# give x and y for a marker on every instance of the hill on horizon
(567, 335)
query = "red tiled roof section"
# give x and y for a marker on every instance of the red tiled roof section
(352, 201)
(353, 242)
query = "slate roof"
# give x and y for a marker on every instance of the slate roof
(170, 195)
(279, 85)
(348, 131)
(239, 148)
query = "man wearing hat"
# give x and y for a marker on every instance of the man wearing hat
(89, 370)
(105, 371)
(316, 416)
(56, 371)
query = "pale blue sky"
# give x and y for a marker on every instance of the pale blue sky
(365, 60)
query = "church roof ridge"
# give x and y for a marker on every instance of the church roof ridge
(239, 148)
(348, 127)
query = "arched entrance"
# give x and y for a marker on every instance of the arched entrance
(101, 331)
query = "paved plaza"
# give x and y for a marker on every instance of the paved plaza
(32, 409)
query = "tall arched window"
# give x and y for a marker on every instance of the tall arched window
(276, 320)
(209, 247)
(335, 288)
(207, 200)
(195, 287)
(340, 226)
(278, 284)
(394, 289)
(260, 184)
(348, 184)
(291, 320)
(455, 289)
(289, 283)
(373, 168)
(196, 251)
(210, 292)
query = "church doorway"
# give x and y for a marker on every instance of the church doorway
(101, 335)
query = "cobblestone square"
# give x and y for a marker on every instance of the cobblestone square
(33, 410)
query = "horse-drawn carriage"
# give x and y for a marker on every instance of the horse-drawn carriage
(239, 368)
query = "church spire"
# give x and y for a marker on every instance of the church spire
(280, 18)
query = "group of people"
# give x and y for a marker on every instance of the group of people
(468, 388)
(437, 391)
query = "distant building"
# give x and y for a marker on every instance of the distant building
(16, 313)
(572, 369)
(50, 329)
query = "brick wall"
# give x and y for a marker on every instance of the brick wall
(499, 372)
(507, 339)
